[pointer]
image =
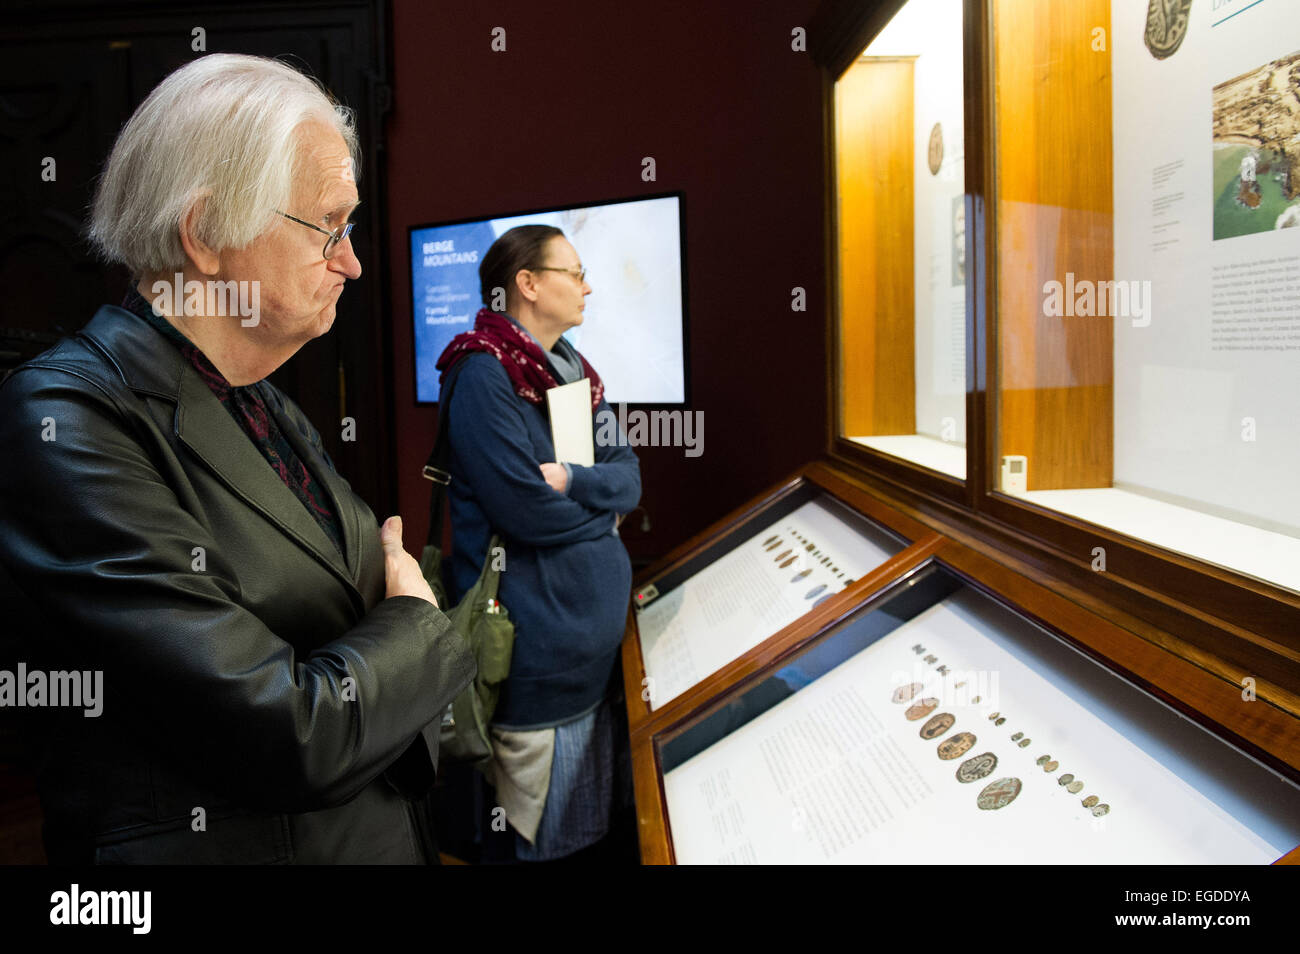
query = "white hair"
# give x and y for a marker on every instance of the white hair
(219, 129)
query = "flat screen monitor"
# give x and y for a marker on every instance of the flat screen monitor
(634, 326)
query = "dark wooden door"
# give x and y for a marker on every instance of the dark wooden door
(70, 76)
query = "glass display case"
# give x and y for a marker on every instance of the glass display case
(808, 548)
(1134, 201)
(901, 239)
(1131, 303)
(1064, 334)
(935, 723)
(696, 620)
(1147, 306)
(946, 707)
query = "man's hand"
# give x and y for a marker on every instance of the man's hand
(556, 476)
(401, 570)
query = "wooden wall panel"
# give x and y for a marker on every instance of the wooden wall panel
(1054, 216)
(873, 170)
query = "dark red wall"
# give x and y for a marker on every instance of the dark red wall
(584, 90)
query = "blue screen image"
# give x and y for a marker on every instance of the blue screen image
(633, 327)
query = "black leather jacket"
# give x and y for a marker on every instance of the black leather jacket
(261, 678)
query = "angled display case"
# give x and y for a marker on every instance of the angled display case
(756, 581)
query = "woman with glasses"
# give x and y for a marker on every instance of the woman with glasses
(271, 658)
(567, 577)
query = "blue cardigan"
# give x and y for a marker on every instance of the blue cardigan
(567, 576)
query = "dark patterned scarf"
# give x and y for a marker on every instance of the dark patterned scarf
(524, 361)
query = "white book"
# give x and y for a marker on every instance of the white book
(571, 423)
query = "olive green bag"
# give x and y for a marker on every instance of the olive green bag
(479, 616)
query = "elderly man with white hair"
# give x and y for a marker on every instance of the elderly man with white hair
(273, 662)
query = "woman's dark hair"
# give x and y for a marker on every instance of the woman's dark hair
(522, 247)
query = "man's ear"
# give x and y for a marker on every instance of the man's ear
(205, 258)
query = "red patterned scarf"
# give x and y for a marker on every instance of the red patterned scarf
(518, 353)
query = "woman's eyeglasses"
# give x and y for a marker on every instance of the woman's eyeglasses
(580, 273)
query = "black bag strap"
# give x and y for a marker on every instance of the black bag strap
(437, 467)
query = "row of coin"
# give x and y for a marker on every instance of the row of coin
(1067, 781)
(995, 795)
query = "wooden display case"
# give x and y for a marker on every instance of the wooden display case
(915, 542)
(1265, 734)
(1034, 109)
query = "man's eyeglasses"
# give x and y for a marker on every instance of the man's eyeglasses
(580, 273)
(335, 237)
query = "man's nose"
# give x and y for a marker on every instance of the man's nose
(344, 260)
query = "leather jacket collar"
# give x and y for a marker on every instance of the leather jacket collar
(147, 362)
(150, 364)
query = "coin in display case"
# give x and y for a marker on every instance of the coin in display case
(919, 710)
(934, 152)
(956, 746)
(1167, 22)
(938, 725)
(977, 767)
(998, 794)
